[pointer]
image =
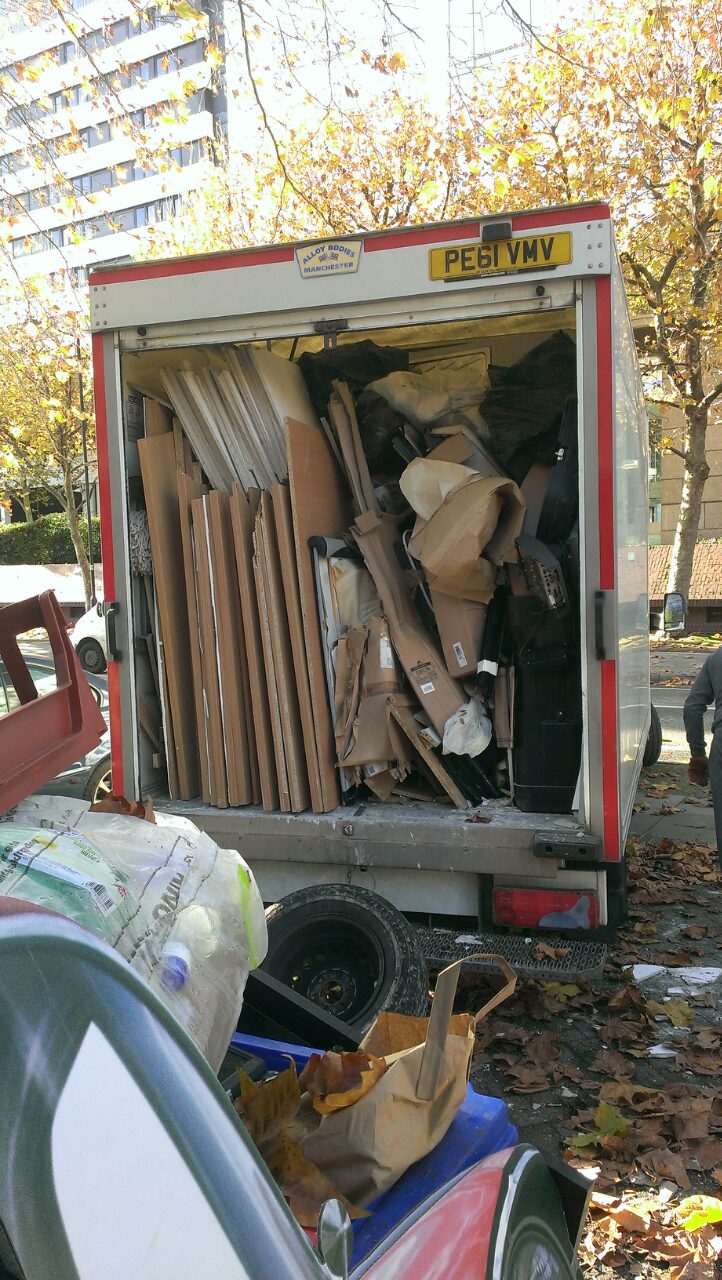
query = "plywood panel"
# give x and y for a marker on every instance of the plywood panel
(188, 491)
(242, 518)
(232, 667)
(157, 462)
(320, 506)
(209, 658)
(283, 663)
(281, 496)
(284, 797)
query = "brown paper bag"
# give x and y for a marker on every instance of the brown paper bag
(366, 1147)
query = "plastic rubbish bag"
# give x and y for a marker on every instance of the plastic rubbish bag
(468, 731)
(186, 914)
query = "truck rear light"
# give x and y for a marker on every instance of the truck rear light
(545, 908)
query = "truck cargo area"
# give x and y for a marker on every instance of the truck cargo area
(357, 620)
(364, 834)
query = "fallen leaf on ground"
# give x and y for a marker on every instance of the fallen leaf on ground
(612, 1063)
(699, 1211)
(678, 1011)
(666, 1164)
(544, 950)
(561, 990)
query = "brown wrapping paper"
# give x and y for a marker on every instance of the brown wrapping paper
(365, 1148)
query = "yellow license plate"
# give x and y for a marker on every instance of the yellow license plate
(525, 253)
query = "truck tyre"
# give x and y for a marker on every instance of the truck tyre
(653, 748)
(349, 951)
(91, 656)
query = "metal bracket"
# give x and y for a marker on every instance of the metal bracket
(329, 326)
(577, 846)
(110, 613)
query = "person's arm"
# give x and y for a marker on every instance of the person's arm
(700, 696)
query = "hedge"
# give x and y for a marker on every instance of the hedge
(46, 540)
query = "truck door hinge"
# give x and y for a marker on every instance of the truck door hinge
(600, 643)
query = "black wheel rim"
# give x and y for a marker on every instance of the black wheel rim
(334, 963)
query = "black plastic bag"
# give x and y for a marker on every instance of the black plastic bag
(524, 404)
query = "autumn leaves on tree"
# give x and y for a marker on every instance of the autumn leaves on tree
(624, 105)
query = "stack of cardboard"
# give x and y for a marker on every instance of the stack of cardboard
(286, 672)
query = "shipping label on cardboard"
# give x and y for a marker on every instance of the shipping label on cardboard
(424, 674)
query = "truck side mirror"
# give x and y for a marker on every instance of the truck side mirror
(99, 609)
(334, 1237)
(674, 618)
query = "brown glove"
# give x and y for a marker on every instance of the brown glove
(698, 771)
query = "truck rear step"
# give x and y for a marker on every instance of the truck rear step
(577, 959)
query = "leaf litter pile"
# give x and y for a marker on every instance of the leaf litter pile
(276, 1115)
(628, 1081)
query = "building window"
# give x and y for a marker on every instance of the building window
(655, 463)
(714, 614)
(655, 513)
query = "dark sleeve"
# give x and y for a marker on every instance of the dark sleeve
(700, 696)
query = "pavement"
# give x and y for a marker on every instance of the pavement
(667, 805)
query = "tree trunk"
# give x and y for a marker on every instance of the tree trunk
(696, 471)
(81, 554)
(24, 500)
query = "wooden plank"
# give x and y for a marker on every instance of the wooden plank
(188, 491)
(158, 418)
(147, 722)
(283, 662)
(283, 517)
(157, 462)
(242, 518)
(320, 506)
(168, 739)
(209, 658)
(232, 666)
(284, 796)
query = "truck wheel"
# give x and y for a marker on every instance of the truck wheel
(91, 656)
(349, 951)
(653, 748)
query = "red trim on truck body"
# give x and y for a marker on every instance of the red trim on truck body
(106, 542)
(607, 564)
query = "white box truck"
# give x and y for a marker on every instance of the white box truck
(502, 285)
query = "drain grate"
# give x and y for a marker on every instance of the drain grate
(582, 959)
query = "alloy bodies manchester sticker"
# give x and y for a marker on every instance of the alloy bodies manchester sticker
(329, 258)
(525, 253)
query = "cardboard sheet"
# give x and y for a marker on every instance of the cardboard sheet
(157, 463)
(232, 667)
(209, 658)
(188, 491)
(281, 496)
(320, 505)
(460, 522)
(343, 416)
(283, 662)
(379, 680)
(438, 694)
(242, 518)
(461, 631)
